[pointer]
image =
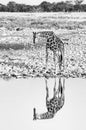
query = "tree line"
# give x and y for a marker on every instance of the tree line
(67, 6)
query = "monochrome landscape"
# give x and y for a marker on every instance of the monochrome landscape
(23, 66)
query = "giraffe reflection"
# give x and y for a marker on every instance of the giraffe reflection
(56, 103)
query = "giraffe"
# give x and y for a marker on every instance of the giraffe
(54, 104)
(53, 43)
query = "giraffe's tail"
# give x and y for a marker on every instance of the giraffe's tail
(34, 114)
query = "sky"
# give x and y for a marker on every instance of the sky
(30, 2)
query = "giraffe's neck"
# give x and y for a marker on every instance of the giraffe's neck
(46, 115)
(46, 34)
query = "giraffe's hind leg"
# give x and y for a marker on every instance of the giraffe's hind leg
(63, 84)
(46, 56)
(54, 59)
(63, 59)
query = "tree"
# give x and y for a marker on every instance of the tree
(78, 2)
(14, 7)
(3, 8)
(45, 6)
(11, 6)
(69, 2)
(77, 5)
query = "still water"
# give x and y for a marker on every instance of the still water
(19, 97)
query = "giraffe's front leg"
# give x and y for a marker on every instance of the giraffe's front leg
(60, 60)
(54, 89)
(61, 87)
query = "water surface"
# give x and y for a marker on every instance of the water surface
(19, 97)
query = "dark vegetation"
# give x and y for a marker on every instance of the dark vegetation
(44, 7)
(11, 46)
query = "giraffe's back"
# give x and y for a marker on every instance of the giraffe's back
(54, 43)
